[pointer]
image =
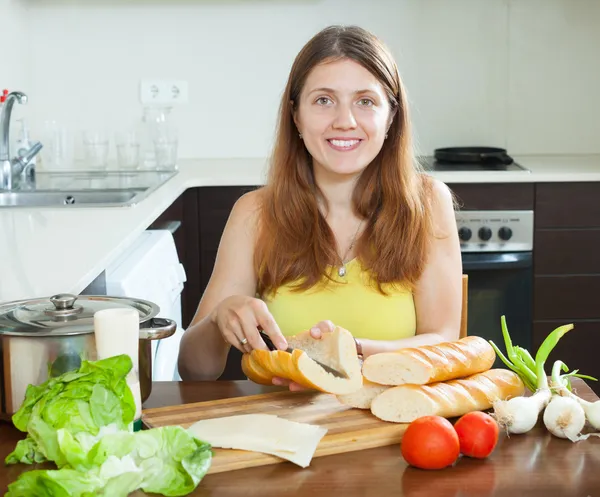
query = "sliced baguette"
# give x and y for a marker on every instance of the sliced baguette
(336, 350)
(430, 363)
(405, 403)
(362, 398)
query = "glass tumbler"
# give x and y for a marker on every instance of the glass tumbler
(165, 150)
(95, 149)
(128, 150)
(57, 153)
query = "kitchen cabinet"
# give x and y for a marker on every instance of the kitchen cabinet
(566, 267)
(184, 211)
(493, 196)
(214, 206)
(567, 272)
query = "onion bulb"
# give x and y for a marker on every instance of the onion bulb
(564, 417)
(591, 409)
(520, 414)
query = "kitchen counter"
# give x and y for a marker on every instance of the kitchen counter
(533, 464)
(44, 251)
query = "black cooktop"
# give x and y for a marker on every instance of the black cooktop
(431, 164)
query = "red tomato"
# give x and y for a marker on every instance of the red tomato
(430, 442)
(478, 434)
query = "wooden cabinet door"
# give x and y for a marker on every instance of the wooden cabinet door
(214, 206)
(184, 211)
(567, 271)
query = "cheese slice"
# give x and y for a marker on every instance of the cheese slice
(266, 433)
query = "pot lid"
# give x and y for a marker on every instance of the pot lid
(64, 314)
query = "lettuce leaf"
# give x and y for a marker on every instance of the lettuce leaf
(168, 461)
(83, 401)
(82, 421)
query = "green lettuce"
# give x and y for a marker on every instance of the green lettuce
(90, 401)
(168, 461)
(82, 421)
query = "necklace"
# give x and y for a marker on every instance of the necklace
(342, 268)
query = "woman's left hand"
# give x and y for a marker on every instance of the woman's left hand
(316, 332)
(321, 327)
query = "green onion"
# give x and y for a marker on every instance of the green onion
(520, 361)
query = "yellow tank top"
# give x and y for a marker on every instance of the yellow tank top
(354, 304)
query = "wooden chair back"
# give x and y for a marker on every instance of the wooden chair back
(465, 306)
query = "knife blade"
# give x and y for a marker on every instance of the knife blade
(329, 369)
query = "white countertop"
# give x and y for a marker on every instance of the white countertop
(55, 250)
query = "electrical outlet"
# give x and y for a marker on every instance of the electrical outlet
(171, 92)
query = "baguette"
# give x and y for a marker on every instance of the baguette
(336, 350)
(362, 398)
(405, 403)
(430, 363)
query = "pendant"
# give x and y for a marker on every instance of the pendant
(342, 271)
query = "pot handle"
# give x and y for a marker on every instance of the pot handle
(501, 156)
(157, 328)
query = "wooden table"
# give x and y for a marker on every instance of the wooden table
(534, 464)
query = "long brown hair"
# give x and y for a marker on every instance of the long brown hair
(294, 242)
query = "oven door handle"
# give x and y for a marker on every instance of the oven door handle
(496, 260)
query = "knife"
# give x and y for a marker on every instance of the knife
(329, 369)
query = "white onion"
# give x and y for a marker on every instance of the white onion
(564, 417)
(591, 409)
(520, 414)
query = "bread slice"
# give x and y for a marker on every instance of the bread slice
(362, 398)
(430, 363)
(405, 403)
(336, 350)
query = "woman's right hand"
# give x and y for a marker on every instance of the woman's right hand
(239, 318)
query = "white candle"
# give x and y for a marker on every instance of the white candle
(117, 331)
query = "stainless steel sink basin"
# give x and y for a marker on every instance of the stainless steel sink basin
(72, 189)
(70, 198)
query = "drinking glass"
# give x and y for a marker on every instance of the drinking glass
(95, 149)
(165, 150)
(58, 148)
(128, 150)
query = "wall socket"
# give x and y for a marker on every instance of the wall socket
(157, 91)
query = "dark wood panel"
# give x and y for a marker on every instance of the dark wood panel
(566, 297)
(499, 196)
(214, 207)
(185, 211)
(221, 198)
(567, 205)
(578, 349)
(567, 251)
(207, 262)
(192, 259)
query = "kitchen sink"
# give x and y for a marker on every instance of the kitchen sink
(67, 198)
(82, 189)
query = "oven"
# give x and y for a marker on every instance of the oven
(497, 256)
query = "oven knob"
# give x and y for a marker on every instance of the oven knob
(504, 233)
(485, 233)
(464, 234)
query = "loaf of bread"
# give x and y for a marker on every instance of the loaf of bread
(362, 398)
(405, 403)
(430, 363)
(336, 350)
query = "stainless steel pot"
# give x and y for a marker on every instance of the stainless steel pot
(43, 338)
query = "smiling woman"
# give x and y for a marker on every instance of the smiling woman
(348, 231)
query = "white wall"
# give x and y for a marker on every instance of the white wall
(524, 74)
(14, 45)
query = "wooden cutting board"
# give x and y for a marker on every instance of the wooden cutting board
(348, 429)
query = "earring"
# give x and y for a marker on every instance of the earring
(300, 135)
(386, 136)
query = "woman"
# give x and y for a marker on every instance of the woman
(348, 231)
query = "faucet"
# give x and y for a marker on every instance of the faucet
(18, 171)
